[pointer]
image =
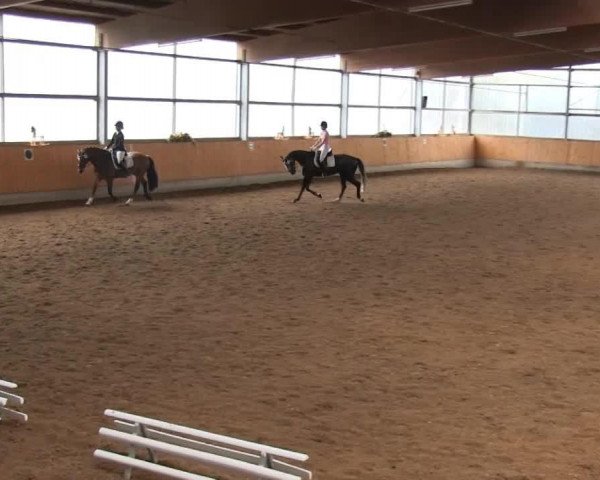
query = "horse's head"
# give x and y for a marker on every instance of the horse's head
(82, 159)
(290, 164)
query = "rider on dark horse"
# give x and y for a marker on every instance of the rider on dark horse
(117, 143)
(322, 148)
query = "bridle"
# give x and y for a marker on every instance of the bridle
(82, 160)
(290, 164)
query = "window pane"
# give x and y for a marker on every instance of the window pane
(458, 79)
(48, 117)
(153, 48)
(585, 100)
(496, 97)
(397, 92)
(208, 48)
(28, 28)
(431, 122)
(494, 123)
(332, 62)
(207, 120)
(305, 117)
(545, 99)
(143, 120)
(584, 128)
(362, 121)
(271, 84)
(456, 122)
(593, 66)
(547, 126)
(585, 79)
(313, 86)
(434, 91)
(268, 120)
(457, 96)
(206, 80)
(153, 77)
(400, 72)
(68, 71)
(364, 90)
(527, 77)
(397, 121)
(282, 61)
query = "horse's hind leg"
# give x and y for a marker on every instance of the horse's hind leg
(343, 181)
(356, 183)
(145, 186)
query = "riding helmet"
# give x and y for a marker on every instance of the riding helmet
(324, 124)
(119, 124)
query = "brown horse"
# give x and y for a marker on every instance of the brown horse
(143, 166)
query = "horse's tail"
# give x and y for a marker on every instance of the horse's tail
(363, 175)
(152, 176)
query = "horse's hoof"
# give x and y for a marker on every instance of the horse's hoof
(320, 196)
(295, 200)
(89, 202)
(129, 201)
(362, 200)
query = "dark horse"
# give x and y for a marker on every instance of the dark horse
(345, 166)
(143, 166)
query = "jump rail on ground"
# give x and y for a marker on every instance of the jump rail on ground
(208, 451)
(10, 400)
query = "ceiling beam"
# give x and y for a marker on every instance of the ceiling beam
(500, 64)
(140, 6)
(358, 32)
(520, 15)
(15, 3)
(186, 20)
(63, 8)
(443, 51)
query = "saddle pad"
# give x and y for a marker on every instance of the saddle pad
(330, 161)
(128, 161)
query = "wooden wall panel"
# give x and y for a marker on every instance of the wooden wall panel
(54, 167)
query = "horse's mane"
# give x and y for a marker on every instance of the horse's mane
(92, 147)
(300, 153)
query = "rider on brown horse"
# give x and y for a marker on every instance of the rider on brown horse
(117, 142)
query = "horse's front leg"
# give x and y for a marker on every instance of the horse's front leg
(94, 187)
(135, 190)
(305, 184)
(316, 194)
(109, 187)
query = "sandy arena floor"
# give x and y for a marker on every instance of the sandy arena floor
(447, 329)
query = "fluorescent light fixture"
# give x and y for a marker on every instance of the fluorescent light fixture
(592, 50)
(543, 31)
(439, 6)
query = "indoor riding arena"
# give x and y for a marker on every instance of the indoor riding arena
(437, 322)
